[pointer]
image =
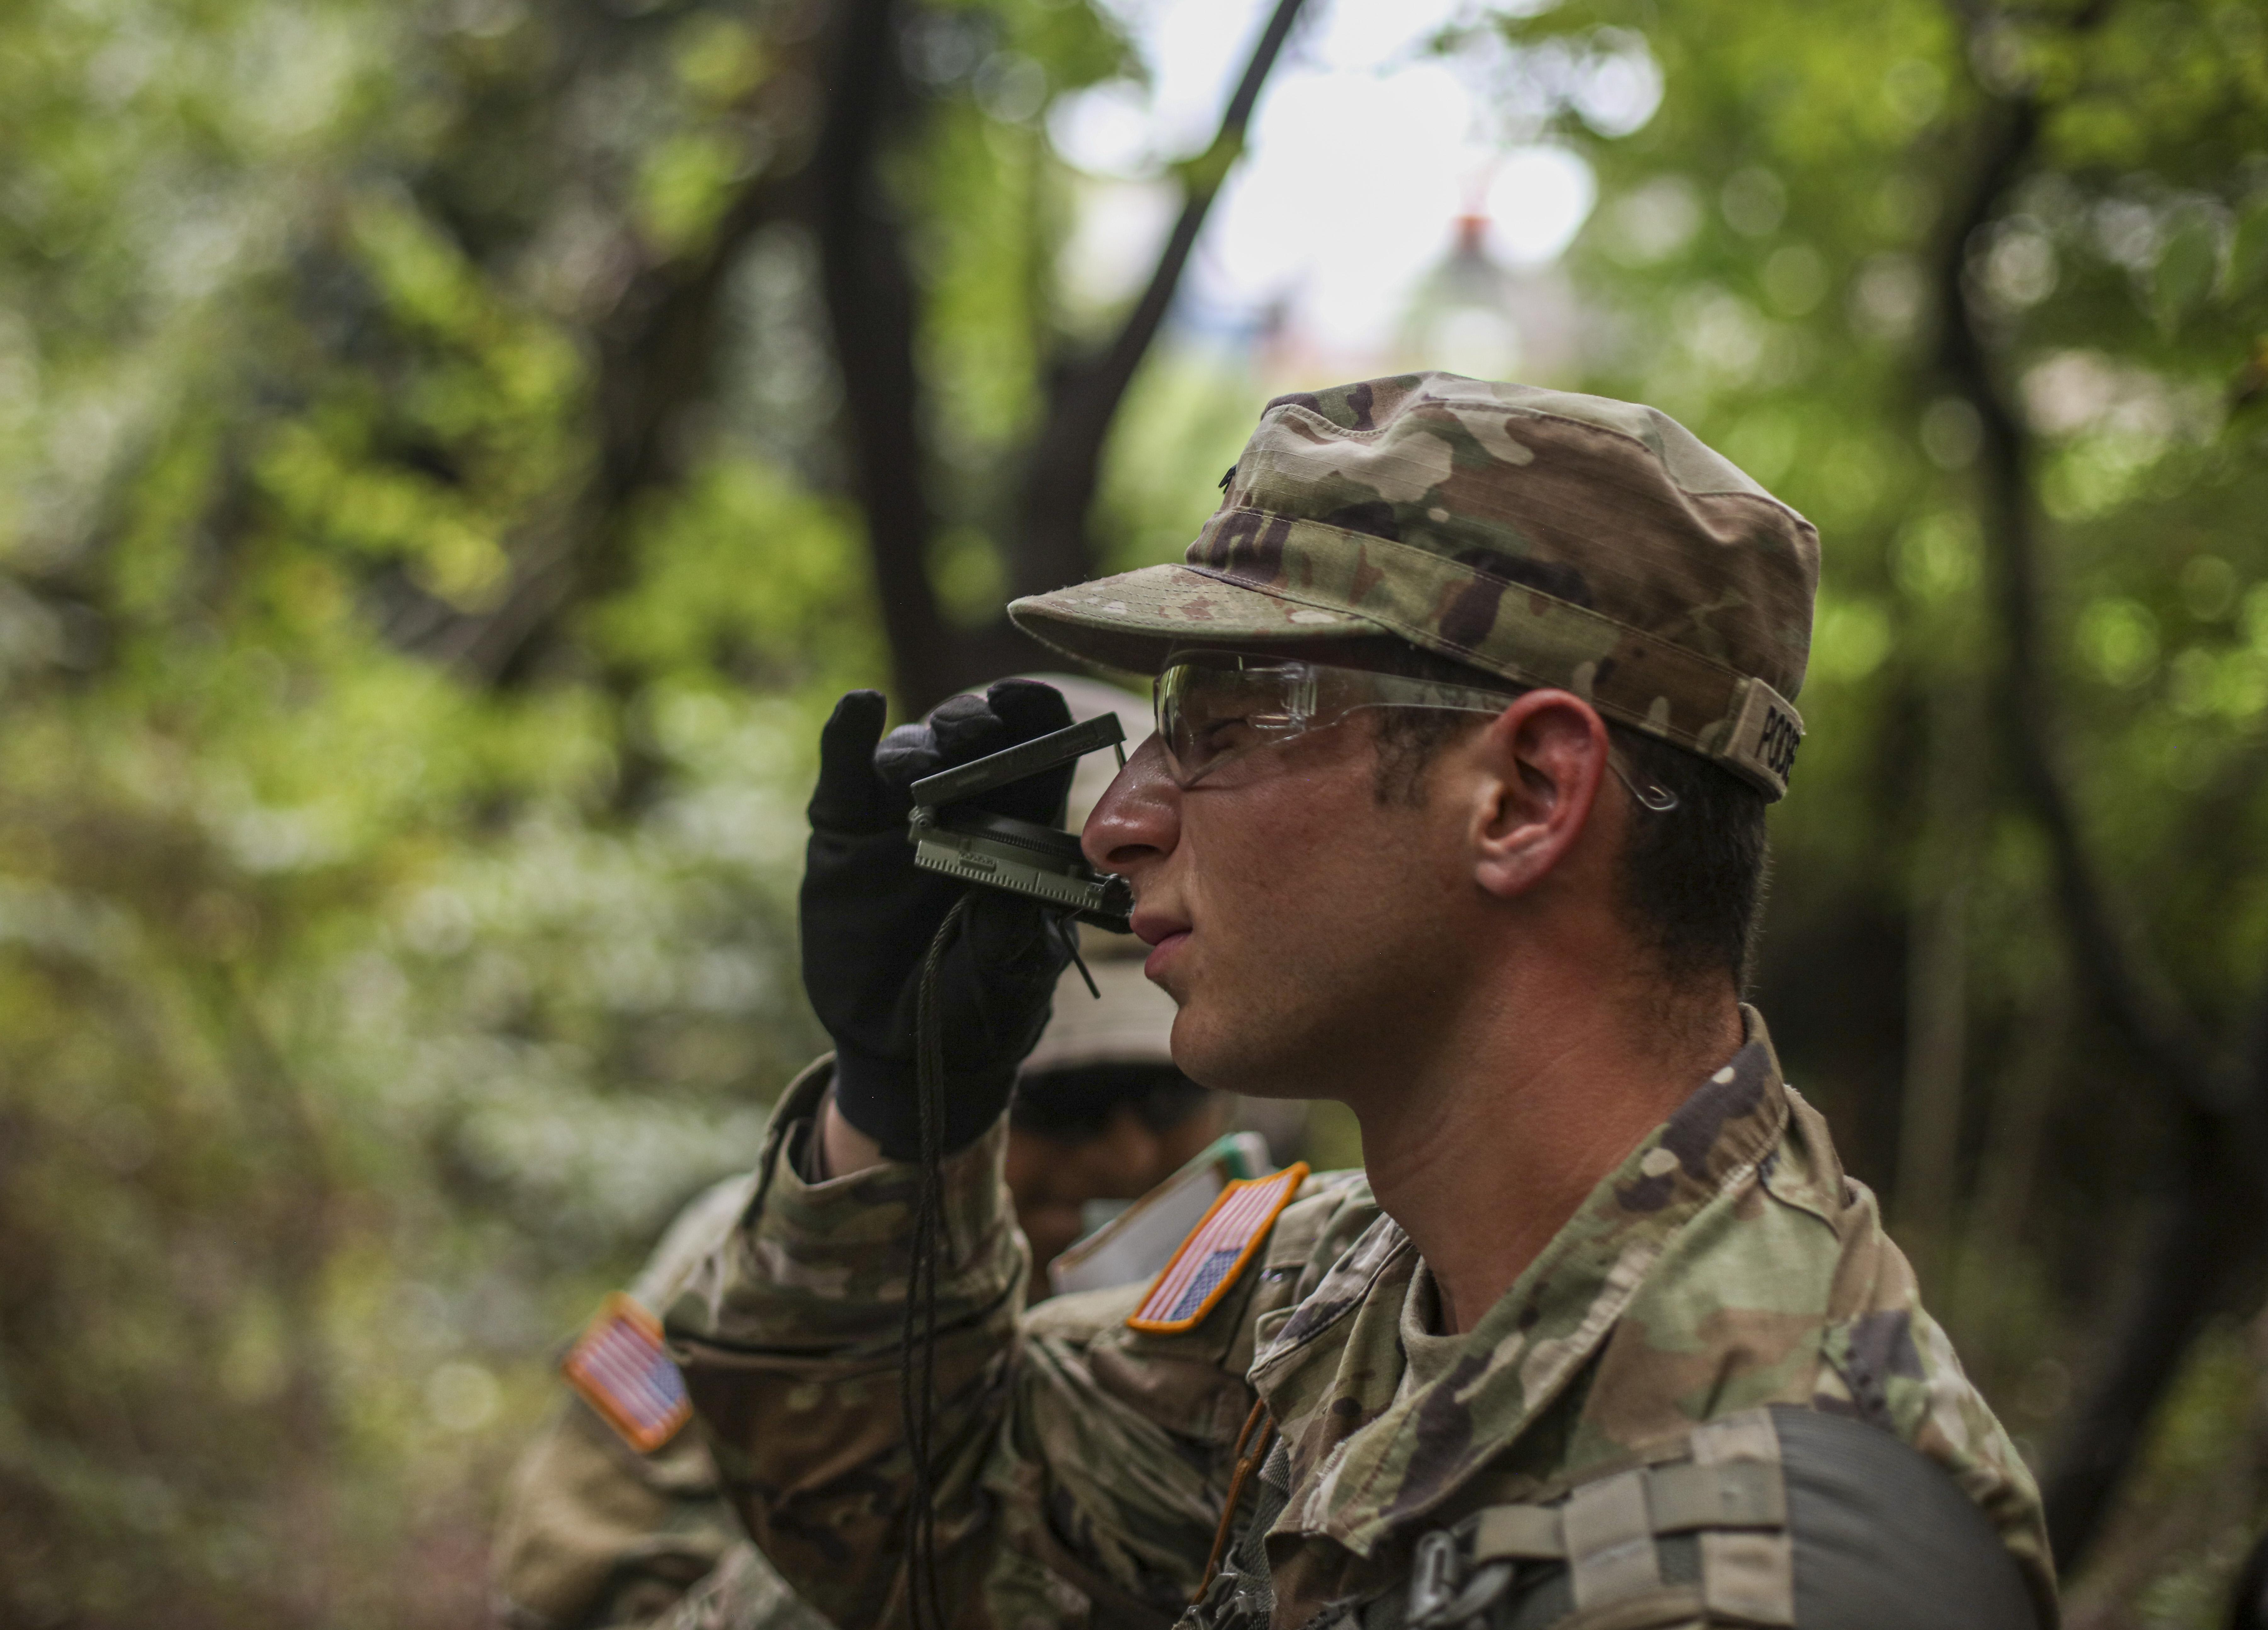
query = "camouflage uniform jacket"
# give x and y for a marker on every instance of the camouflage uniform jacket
(597, 1536)
(1082, 1466)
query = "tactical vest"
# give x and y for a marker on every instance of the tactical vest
(1784, 1518)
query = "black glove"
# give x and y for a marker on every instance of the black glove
(869, 915)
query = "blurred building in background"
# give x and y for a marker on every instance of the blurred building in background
(1473, 314)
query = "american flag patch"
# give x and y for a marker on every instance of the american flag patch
(622, 1371)
(1215, 1252)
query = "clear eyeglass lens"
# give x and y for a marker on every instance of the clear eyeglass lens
(1215, 706)
(1211, 711)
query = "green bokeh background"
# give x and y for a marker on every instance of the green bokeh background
(377, 974)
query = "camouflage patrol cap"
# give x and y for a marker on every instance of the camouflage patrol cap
(1549, 538)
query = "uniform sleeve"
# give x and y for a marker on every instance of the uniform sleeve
(1113, 1476)
(1893, 1364)
(790, 1336)
(742, 1592)
(597, 1535)
(1080, 1467)
(1111, 1473)
(1885, 1359)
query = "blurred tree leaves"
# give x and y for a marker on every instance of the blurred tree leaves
(1789, 252)
(353, 1024)
(426, 540)
(422, 558)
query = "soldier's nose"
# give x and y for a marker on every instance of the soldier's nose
(1138, 819)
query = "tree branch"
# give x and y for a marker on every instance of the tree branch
(1064, 464)
(656, 354)
(656, 350)
(2187, 1259)
(871, 307)
(2130, 993)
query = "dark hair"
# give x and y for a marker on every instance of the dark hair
(1693, 878)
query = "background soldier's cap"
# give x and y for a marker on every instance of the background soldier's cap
(1549, 538)
(1132, 1022)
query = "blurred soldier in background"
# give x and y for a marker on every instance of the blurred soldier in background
(605, 1526)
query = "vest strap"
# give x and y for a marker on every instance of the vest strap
(1731, 1494)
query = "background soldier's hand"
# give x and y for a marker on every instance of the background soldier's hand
(869, 915)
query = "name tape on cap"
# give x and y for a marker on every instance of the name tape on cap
(1765, 735)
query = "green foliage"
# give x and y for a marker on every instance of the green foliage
(746, 579)
(411, 664)
(359, 1018)
(1766, 249)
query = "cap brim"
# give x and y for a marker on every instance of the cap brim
(1129, 622)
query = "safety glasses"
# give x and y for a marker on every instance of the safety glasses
(1214, 707)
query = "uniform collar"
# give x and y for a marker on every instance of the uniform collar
(1370, 1455)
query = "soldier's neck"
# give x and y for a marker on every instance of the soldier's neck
(1487, 1147)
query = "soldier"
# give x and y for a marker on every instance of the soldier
(605, 1528)
(1470, 700)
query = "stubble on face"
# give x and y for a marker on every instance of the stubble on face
(1323, 942)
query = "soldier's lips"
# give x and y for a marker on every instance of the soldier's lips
(1153, 966)
(1163, 934)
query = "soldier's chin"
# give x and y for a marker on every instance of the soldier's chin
(1229, 1057)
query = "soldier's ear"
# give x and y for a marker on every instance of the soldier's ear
(1535, 770)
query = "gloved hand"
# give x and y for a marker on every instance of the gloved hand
(869, 915)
